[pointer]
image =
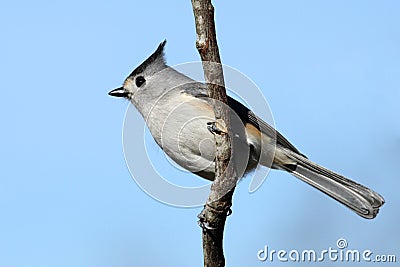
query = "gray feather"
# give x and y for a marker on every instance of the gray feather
(155, 62)
(357, 197)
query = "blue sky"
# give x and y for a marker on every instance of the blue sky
(329, 70)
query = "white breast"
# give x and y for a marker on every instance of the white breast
(178, 123)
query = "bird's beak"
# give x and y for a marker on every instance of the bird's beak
(119, 92)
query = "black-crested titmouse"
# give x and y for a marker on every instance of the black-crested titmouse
(178, 113)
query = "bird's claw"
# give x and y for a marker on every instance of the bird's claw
(216, 127)
(205, 225)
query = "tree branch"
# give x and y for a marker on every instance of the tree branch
(213, 216)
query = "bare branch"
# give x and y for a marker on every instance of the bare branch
(214, 214)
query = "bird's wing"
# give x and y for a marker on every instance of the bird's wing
(247, 116)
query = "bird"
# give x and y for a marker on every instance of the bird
(180, 116)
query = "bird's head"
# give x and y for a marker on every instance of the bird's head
(142, 78)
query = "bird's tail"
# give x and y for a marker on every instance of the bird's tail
(357, 197)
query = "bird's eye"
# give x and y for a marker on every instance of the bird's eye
(140, 80)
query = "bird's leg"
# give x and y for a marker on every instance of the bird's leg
(216, 127)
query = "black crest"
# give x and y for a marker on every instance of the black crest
(156, 58)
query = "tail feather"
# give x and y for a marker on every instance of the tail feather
(357, 197)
